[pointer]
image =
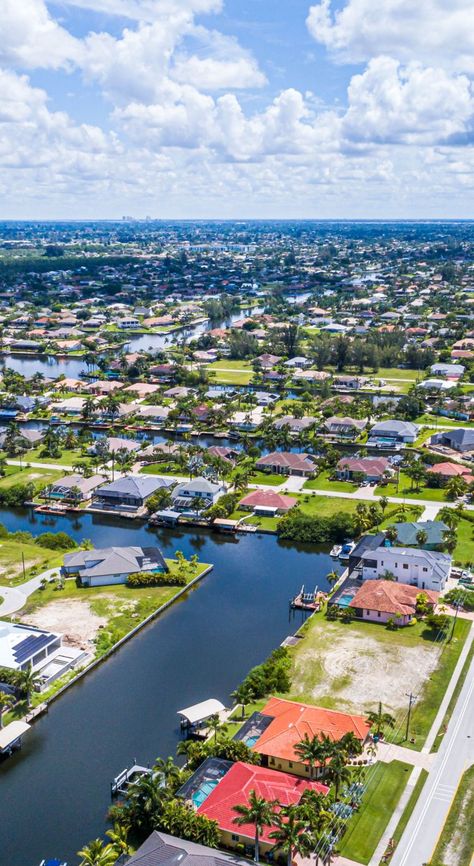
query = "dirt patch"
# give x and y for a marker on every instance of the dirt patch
(73, 619)
(360, 672)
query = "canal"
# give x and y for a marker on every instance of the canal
(54, 794)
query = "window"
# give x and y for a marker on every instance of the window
(379, 614)
(290, 764)
(368, 612)
(405, 565)
(306, 769)
(425, 569)
(235, 838)
(271, 761)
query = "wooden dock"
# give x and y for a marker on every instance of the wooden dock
(127, 777)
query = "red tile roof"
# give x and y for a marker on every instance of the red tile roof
(387, 596)
(451, 470)
(287, 458)
(269, 499)
(235, 787)
(291, 721)
(367, 465)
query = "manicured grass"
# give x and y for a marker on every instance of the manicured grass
(323, 482)
(395, 513)
(67, 458)
(325, 506)
(408, 810)
(453, 701)
(464, 550)
(405, 490)
(269, 523)
(440, 421)
(456, 843)
(228, 372)
(397, 373)
(37, 559)
(227, 364)
(236, 719)
(267, 478)
(366, 827)
(163, 469)
(39, 477)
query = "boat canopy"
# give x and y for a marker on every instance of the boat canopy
(11, 733)
(201, 712)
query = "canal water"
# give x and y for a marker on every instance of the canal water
(54, 794)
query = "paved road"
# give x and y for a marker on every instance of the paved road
(14, 597)
(454, 757)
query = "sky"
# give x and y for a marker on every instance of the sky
(196, 109)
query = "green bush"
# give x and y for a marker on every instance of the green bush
(150, 578)
(55, 541)
(271, 676)
(297, 526)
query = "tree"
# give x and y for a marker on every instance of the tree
(450, 517)
(28, 681)
(6, 703)
(311, 751)
(421, 537)
(383, 502)
(416, 473)
(338, 772)
(380, 719)
(243, 695)
(98, 854)
(290, 834)
(259, 812)
(332, 577)
(455, 488)
(215, 724)
(391, 534)
(119, 838)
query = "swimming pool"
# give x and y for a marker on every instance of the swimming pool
(252, 740)
(345, 600)
(203, 792)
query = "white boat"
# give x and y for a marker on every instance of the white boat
(335, 551)
(346, 551)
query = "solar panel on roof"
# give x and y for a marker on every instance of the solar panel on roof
(30, 647)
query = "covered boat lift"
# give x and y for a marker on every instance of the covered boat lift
(194, 718)
(11, 737)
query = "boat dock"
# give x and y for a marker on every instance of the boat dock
(311, 601)
(127, 777)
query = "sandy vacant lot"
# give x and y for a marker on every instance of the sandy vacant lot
(73, 619)
(356, 670)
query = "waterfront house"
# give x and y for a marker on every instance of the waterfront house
(112, 565)
(196, 494)
(113, 444)
(287, 463)
(267, 502)
(296, 425)
(448, 371)
(234, 787)
(141, 389)
(73, 488)
(425, 569)
(128, 494)
(407, 532)
(459, 439)
(160, 849)
(393, 432)
(383, 600)
(24, 646)
(281, 724)
(348, 428)
(446, 471)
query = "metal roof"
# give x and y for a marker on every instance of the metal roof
(199, 712)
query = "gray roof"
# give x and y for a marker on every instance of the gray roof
(197, 485)
(135, 485)
(160, 849)
(460, 436)
(402, 428)
(114, 560)
(407, 532)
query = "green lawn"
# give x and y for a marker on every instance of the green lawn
(456, 843)
(453, 701)
(68, 458)
(325, 506)
(408, 810)
(365, 829)
(163, 469)
(268, 523)
(464, 550)
(397, 373)
(39, 477)
(228, 372)
(227, 364)
(439, 421)
(405, 490)
(267, 478)
(323, 482)
(37, 559)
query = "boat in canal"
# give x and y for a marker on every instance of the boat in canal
(335, 551)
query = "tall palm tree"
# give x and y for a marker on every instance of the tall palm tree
(167, 769)
(6, 702)
(259, 812)
(338, 772)
(421, 537)
(290, 834)
(119, 838)
(243, 695)
(98, 854)
(391, 534)
(380, 719)
(216, 725)
(349, 744)
(311, 751)
(28, 681)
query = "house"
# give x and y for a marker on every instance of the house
(267, 502)
(287, 463)
(281, 724)
(310, 375)
(407, 532)
(372, 468)
(141, 389)
(70, 406)
(128, 322)
(425, 569)
(160, 849)
(112, 565)
(393, 432)
(113, 444)
(128, 494)
(383, 600)
(347, 427)
(446, 471)
(189, 493)
(268, 361)
(73, 488)
(228, 455)
(24, 646)
(299, 362)
(460, 439)
(296, 425)
(448, 371)
(155, 414)
(103, 387)
(263, 398)
(352, 383)
(247, 421)
(437, 384)
(234, 788)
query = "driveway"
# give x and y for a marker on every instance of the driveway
(15, 597)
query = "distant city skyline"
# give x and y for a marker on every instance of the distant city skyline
(236, 109)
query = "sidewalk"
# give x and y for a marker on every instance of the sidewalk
(14, 597)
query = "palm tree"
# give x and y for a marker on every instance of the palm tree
(243, 695)
(349, 744)
(6, 703)
(168, 770)
(449, 517)
(28, 681)
(391, 534)
(119, 837)
(383, 502)
(338, 772)
(380, 719)
(311, 751)
(216, 725)
(332, 577)
(290, 833)
(259, 812)
(421, 537)
(98, 854)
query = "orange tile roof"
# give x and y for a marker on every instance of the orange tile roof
(390, 597)
(291, 721)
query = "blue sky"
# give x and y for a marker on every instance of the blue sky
(236, 108)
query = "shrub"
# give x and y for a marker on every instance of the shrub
(55, 541)
(151, 578)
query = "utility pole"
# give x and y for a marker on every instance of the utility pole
(23, 564)
(411, 701)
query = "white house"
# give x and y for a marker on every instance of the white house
(426, 569)
(189, 492)
(112, 565)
